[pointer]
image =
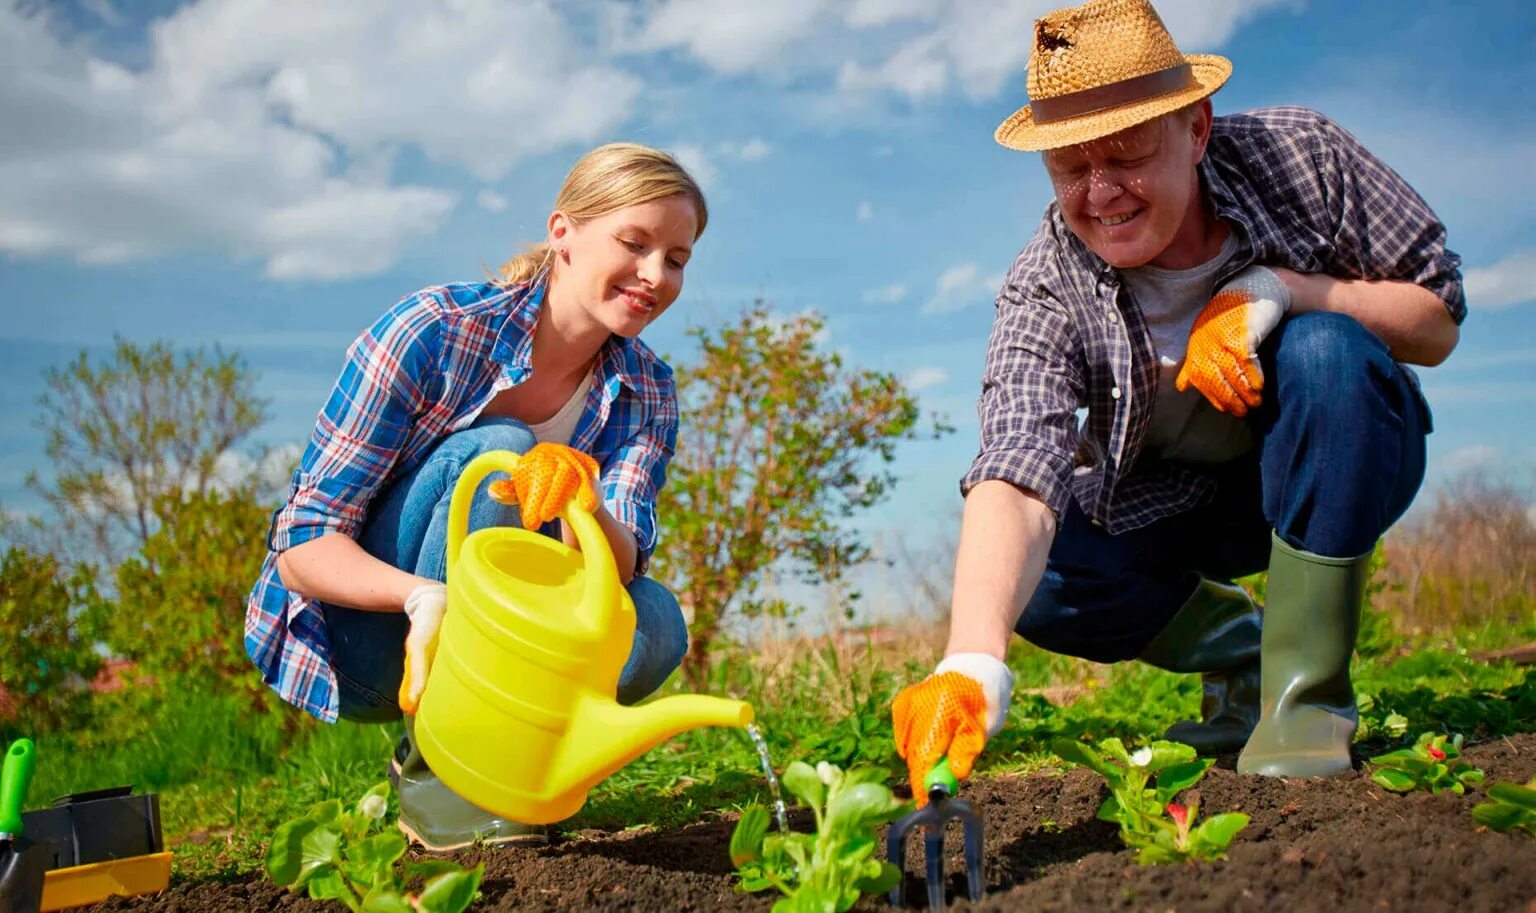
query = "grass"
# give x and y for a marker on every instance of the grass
(225, 781)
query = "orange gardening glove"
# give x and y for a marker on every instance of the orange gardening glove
(1222, 360)
(424, 607)
(951, 712)
(547, 477)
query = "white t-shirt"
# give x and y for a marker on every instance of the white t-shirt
(560, 426)
(1184, 426)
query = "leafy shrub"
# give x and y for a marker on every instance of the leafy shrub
(829, 869)
(338, 854)
(46, 659)
(1159, 829)
(1510, 807)
(1433, 764)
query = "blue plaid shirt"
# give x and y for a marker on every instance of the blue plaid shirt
(1299, 191)
(425, 370)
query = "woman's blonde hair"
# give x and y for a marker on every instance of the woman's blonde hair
(606, 179)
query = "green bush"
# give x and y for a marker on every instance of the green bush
(46, 660)
(180, 602)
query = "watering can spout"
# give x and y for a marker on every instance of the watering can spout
(606, 735)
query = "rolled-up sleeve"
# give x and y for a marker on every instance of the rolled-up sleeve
(1032, 386)
(638, 468)
(1381, 226)
(362, 427)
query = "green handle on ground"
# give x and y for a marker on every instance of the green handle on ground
(940, 776)
(15, 777)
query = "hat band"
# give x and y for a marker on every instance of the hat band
(1124, 92)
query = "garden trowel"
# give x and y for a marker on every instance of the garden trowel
(943, 807)
(22, 863)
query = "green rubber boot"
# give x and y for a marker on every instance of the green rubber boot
(439, 819)
(1215, 633)
(1310, 623)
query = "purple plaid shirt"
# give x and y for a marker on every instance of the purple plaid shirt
(424, 371)
(1300, 192)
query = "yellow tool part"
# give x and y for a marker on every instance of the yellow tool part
(79, 885)
(519, 713)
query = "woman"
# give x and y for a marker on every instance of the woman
(543, 362)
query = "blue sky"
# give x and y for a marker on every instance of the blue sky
(271, 175)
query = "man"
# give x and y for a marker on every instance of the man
(1231, 299)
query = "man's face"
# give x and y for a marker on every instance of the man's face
(1128, 194)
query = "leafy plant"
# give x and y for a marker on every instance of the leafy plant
(1432, 763)
(825, 871)
(345, 855)
(1159, 829)
(1510, 807)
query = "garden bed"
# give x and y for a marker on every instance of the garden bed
(1328, 845)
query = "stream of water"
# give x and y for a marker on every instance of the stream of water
(779, 812)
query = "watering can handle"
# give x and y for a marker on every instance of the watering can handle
(602, 576)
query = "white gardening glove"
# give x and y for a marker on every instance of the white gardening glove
(1222, 360)
(951, 713)
(424, 607)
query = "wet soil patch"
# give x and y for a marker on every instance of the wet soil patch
(1333, 845)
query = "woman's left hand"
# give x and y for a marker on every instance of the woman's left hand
(547, 477)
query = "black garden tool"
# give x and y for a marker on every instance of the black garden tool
(23, 863)
(943, 807)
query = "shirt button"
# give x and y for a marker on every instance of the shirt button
(1114, 316)
(1115, 392)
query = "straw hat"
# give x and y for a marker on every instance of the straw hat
(1102, 67)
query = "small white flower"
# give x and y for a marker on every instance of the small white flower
(1142, 757)
(373, 807)
(826, 772)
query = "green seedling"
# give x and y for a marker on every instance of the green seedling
(336, 853)
(1510, 807)
(1142, 787)
(1433, 764)
(826, 870)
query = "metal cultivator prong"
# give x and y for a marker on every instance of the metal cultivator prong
(941, 809)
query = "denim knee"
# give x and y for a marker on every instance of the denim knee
(488, 433)
(1325, 356)
(661, 640)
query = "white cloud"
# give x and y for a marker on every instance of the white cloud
(1475, 457)
(696, 161)
(978, 45)
(960, 287)
(866, 211)
(753, 150)
(491, 201)
(732, 37)
(889, 294)
(865, 13)
(1509, 282)
(267, 128)
(917, 70)
(924, 377)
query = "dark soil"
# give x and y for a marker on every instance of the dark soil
(1328, 845)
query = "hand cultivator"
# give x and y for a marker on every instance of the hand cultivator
(943, 807)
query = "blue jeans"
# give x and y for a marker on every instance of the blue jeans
(407, 526)
(1339, 457)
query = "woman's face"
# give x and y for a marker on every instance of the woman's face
(625, 268)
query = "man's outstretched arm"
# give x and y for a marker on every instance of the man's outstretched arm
(1005, 536)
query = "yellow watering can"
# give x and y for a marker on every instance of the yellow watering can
(519, 715)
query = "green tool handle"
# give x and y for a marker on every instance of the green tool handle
(940, 777)
(15, 777)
